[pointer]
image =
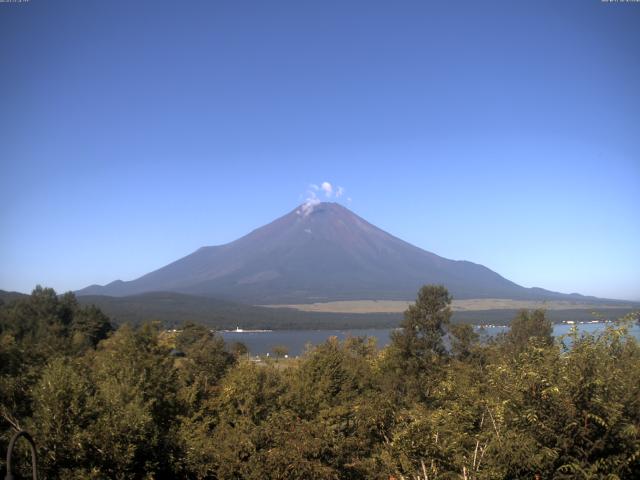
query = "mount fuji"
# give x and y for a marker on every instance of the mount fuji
(316, 253)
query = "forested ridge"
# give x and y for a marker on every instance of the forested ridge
(136, 402)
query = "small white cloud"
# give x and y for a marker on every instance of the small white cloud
(327, 189)
(307, 206)
(311, 199)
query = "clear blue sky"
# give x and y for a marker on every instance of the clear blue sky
(505, 133)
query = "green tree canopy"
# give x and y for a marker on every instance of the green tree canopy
(530, 325)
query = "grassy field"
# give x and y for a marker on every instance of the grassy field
(470, 305)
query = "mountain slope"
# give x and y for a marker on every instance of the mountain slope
(319, 253)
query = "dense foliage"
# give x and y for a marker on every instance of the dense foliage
(145, 403)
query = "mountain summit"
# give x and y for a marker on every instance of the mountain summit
(320, 252)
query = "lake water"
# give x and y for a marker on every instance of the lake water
(261, 343)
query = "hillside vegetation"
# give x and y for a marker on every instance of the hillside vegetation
(134, 402)
(173, 309)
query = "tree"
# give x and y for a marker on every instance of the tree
(530, 325)
(425, 323)
(414, 358)
(326, 376)
(463, 338)
(238, 349)
(90, 326)
(62, 417)
(207, 359)
(280, 351)
(135, 385)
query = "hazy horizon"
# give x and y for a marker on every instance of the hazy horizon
(501, 133)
